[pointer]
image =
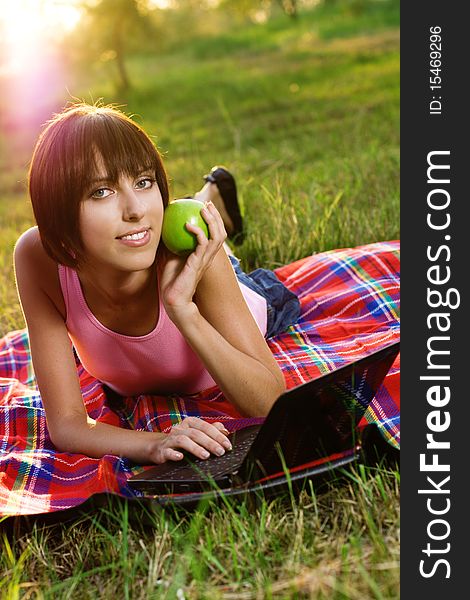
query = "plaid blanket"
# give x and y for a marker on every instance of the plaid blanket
(350, 301)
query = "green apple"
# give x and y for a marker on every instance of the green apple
(175, 236)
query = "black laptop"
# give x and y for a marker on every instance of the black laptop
(307, 427)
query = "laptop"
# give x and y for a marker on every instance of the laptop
(310, 428)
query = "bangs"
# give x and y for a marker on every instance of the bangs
(116, 145)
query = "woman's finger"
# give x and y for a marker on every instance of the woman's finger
(217, 233)
(221, 427)
(201, 237)
(184, 442)
(171, 454)
(215, 222)
(209, 443)
(209, 430)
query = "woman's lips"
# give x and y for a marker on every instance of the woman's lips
(137, 239)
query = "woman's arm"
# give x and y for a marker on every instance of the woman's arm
(225, 335)
(218, 325)
(70, 428)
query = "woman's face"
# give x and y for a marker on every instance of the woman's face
(120, 224)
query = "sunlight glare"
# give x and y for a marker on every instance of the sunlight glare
(27, 25)
(33, 70)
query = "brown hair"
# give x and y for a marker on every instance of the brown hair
(65, 161)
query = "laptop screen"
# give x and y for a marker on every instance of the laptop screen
(319, 418)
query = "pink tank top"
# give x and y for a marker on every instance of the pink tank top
(160, 362)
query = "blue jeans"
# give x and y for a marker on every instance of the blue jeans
(283, 305)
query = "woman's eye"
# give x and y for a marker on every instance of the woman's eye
(101, 193)
(143, 184)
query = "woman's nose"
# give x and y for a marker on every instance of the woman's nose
(133, 206)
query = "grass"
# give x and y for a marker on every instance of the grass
(306, 115)
(342, 543)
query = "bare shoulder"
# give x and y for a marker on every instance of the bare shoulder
(30, 256)
(28, 245)
(35, 269)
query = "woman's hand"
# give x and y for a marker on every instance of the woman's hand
(180, 275)
(193, 435)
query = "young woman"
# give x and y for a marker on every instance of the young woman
(94, 279)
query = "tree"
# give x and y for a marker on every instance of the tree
(110, 29)
(249, 7)
(289, 7)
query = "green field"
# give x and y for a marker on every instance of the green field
(306, 115)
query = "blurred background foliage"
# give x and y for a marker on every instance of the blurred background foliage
(110, 34)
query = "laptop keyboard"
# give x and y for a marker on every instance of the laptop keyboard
(215, 466)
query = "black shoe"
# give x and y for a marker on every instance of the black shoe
(228, 191)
